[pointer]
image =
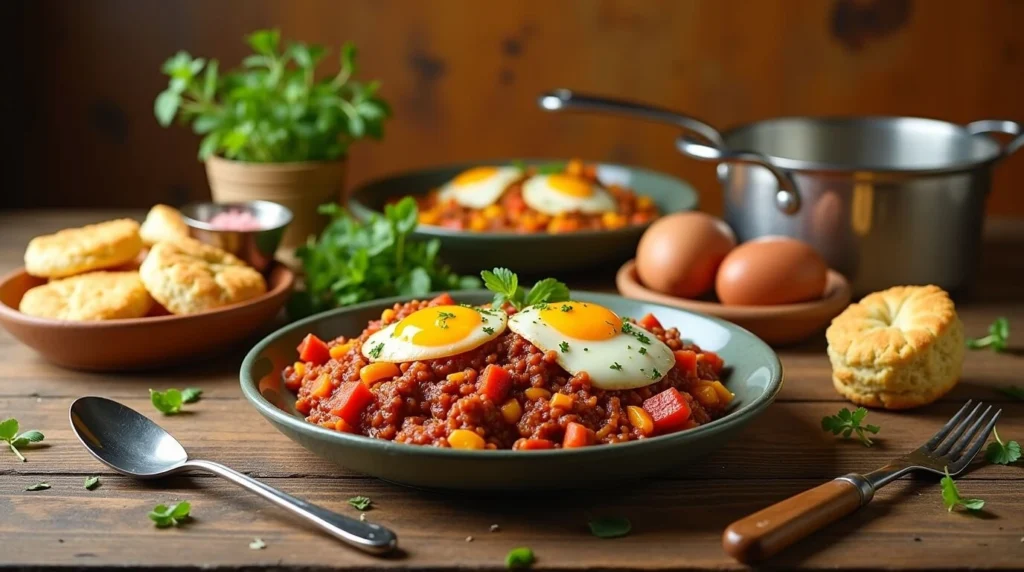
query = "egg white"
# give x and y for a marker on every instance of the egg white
(386, 346)
(539, 195)
(639, 367)
(483, 193)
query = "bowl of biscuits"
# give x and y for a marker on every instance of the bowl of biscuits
(118, 295)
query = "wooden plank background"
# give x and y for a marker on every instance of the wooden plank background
(463, 75)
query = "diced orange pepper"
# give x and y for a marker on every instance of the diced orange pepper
(713, 360)
(649, 322)
(303, 406)
(535, 393)
(686, 361)
(724, 395)
(340, 350)
(533, 444)
(561, 401)
(323, 386)
(495, 383)
(465, 439)
(350, 400)
(344, 427)
(705, 393)
(374, 372)
(577, 435)
(387, 315)
(300, 368)
(640, 419)
(512, 411)
(313, 349)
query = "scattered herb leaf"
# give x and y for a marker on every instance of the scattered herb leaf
(38, 487)
(564, 346)
(15, 441)
(951, 496)
(91, 483)
(505, 285)
(616, 366)
(360, 502)
(167, 402)
(442, 319)
(1012, 391)
(164, 516)
(519, 558)
(610, 527)
(655, 374)
(998, 336)
(1001, 453)
(643, 351)
(375, 351)
(257, 544)
(566, 308)
(489, 331)
(191, 394)
(847, 423)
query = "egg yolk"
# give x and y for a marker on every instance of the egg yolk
(438, 326)
(474, 175)
(571, 186)
(582, 321)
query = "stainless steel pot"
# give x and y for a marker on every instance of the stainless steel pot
(886, 200)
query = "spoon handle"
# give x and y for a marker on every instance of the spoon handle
(369, 537)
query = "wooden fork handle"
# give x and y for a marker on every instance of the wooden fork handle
(766, 532)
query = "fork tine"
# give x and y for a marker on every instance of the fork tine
(960, 444)
(938, 437)
(961, 461)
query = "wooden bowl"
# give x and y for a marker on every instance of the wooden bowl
(777, 325)
(139, 343)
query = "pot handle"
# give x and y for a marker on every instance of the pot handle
(787, 198)
(1000, 126)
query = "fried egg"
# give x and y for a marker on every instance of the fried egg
(557, 194)
(591, 338)
(479, 187)
(435, 332)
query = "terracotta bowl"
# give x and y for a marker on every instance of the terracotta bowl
(139, 343)
(777, 325)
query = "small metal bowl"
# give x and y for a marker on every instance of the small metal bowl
(255, 247)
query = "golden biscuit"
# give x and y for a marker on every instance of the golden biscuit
(899, 348)
(93, 296)
(187, 276)
(162, 223)
(77, 250)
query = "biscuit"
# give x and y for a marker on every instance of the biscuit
(898, 349)
(93, 296)
(161, 224)
(78, 250)
(187, 276)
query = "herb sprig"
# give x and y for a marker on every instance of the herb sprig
(505, 285)
(9, 434)
(951, 496)
(360, 502)
(998, 336)
(169, 402)
(1001, 453)
(849, 422)
(164, 516)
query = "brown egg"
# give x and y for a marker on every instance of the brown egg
(680, 253)
(771, 270)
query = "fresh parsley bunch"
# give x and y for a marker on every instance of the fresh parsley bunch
(849, 422)
(274, 109)
(355, 261)
(505, 285)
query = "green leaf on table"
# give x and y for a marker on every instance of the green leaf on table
(360, 503)
(91, 483)
(1000, 453)
(26, 438)
(38, 487)
(951, 496)
(167, 402)
(1012, 391)
(191, 394)
(8, 429)
(997, 338)
(848, 423)
(610, 527)
(15, 441)
(519, 558)
(164, 516)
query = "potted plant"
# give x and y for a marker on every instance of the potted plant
(272, 130)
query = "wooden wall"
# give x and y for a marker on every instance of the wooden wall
(463, 75)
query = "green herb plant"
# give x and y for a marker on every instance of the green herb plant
(998, 336)
(951, 496)
(164, 516)
(505, 285)
(1001, 453)
(274, 109)
(9, 434)
(169, 402)
(355, 261)
(848, 423)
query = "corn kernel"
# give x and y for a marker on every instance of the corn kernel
(338, 351)
(561, 401)
(457, 377)
(706, 395)
(640, 419)
(465, 439)
(512, 411)
(535, 393)
(300, 368)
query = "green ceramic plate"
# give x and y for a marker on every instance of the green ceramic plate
(532, 254)
(754, 375)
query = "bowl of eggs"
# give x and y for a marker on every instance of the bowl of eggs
(777, 287)
(536, 216)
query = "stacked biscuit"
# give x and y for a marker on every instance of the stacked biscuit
(94, 272)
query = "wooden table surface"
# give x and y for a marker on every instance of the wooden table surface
(677, 518)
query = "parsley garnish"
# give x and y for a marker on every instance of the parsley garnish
(375, 351)
(847, 423)
(998, 335)
(951, 496)
(489, 331)
(627, 328)
(643, 351)
(360, 502)
(519, 558)
(91, 483)
(655, 374)
(564, 346)
(169, 402)
(1000, 453)
(505, 285)
(615, 366)
(566, 308)
(442, 320)
(586, 349)
(1012, 391)
(640, 337)
(610, 527)
(164, 516)
(37, 487)
(9, 434)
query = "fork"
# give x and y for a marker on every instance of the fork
(768, 531)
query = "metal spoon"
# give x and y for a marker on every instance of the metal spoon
(131, 444)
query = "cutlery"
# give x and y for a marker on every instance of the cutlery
(765, 533)
(131, 444)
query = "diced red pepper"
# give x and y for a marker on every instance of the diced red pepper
(313, 349)
(453, 223)
(350, 400)
(444, 299)
(669, 410)
(713, 360)
(514, 204)
(686, 361)
(577, 435)
(303, 406)
(534, 444)
(649, 322)
(495, 383)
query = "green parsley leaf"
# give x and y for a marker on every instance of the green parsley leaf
(375, 351)
(91, 483)
(257, 544)
(26, 438)
(442, 319)
(15, 441)
(549, 169)
(1012, 391)
(847, 423)
(191, 394)
(616, 366)
(360, 503)
(38, 487)
(519, 558)
(610, 527)
(489, 331)
(547, 290)
(8, 429)
(655, 374)
(951, 496)
(643, 351)
(167, 402)
(998, 335)
(1002, 454)
(164, 516)
(566, 308)
(564, 346)
(505, 285)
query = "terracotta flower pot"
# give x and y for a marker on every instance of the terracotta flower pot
(301, 187)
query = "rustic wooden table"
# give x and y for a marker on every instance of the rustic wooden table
(677, 518)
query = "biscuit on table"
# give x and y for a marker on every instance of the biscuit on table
(92, 296)
(187, 276)
(78, 250)
(899, 348)
(163, 223)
